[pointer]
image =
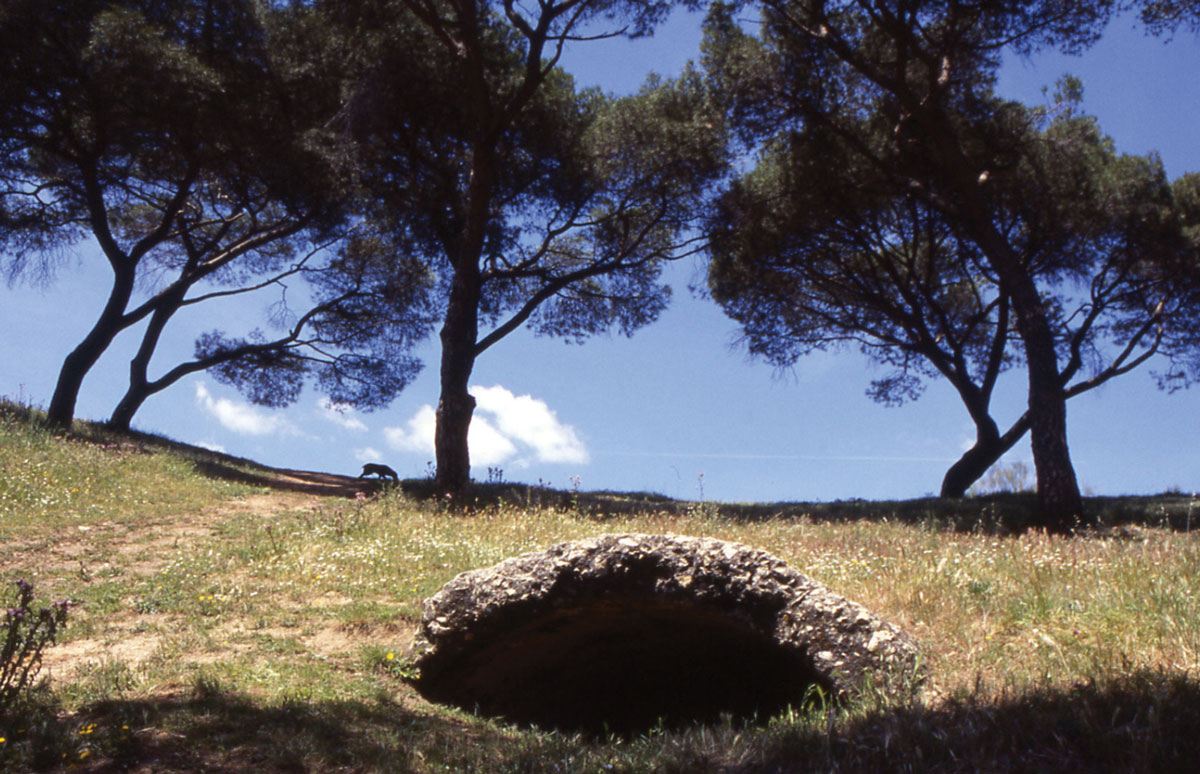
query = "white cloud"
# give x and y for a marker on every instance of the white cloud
(418, 437)
(503, 427)
(488, 445)
(242, 417)
(212, 446)
(531, 422)
(367, 454)
(341, 414)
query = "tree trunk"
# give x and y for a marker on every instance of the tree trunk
(987, 451)
(133, 399)
(971, 466)
(460, 329)
(456, 406)
(79, 362)
(140, 387)
(1060, 505)
(454, 411)
(135, 395)
(61, 412)
(140, 391)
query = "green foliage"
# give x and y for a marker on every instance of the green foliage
(194, 144)
(946, 233)
(1165, 17)
(536, 204)
(585, 194)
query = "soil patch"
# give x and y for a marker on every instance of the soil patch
(134, 638)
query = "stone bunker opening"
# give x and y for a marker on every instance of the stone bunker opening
(624, 664)
(621, 632)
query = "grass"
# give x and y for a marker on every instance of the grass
(226, 624)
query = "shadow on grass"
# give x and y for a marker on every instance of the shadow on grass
(283, 479)
(1145, 722)
(227, 467)
(214, 731)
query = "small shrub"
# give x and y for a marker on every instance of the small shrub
(26, 634)
(1012, 478)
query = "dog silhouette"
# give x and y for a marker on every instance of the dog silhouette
(377, 469)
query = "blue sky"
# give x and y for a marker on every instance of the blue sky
(678, 409)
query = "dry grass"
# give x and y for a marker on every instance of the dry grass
(236, 627)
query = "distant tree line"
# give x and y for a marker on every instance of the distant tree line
(394, 166)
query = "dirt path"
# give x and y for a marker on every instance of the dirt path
(133, 636)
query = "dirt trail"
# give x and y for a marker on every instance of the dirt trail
(133, 636)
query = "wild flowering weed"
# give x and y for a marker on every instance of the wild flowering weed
(27, 632)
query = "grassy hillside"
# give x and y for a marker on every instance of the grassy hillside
(229, 619)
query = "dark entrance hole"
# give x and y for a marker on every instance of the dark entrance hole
(623, 665)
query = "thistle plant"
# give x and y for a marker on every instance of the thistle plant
(27, 632)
